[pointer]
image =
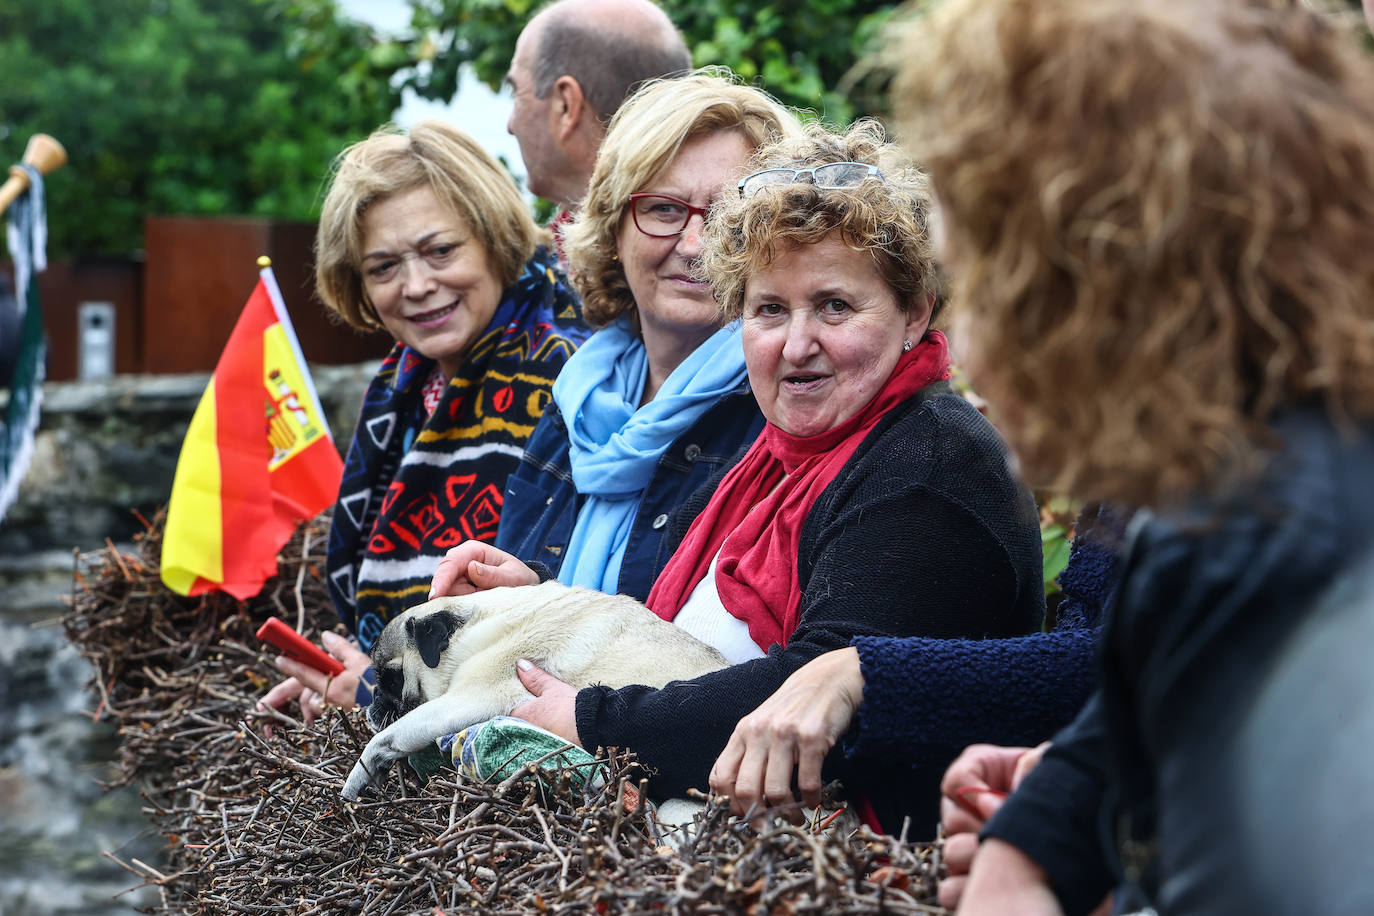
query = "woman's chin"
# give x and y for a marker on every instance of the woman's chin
(685, 314)
(802, 426)
(443, 348)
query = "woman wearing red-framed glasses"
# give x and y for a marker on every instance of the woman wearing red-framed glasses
(660, 400)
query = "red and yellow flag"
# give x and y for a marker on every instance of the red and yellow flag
(257, 459)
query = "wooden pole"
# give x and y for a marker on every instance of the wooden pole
(43, 153)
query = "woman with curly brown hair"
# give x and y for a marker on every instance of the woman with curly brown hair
(876, 501)
(1159, 220)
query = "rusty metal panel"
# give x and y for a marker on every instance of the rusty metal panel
(199, 272)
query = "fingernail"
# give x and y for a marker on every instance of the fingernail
(479, 568)
(431, 594)
(329, 637)
(524, 664)
(280, 662)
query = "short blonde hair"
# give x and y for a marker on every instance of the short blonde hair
(1160, 218)
(886, 218)
(641, 142)
(462, 175)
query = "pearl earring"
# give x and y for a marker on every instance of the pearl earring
(906, 346)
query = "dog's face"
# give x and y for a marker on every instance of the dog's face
(406, 659)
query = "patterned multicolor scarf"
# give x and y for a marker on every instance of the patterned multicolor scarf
(415, 483)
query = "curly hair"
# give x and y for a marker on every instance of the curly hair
(641, 142)
(462, 175)
(887, 218)
(1160, 225)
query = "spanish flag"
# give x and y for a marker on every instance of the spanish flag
(257, 459)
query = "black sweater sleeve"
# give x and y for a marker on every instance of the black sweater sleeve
(868, 569)
(1054, 816)
(926, 693)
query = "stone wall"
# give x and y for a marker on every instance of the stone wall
(107, 447)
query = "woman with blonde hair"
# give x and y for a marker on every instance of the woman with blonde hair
(425, 236)
(658, 399)
(1159, 219)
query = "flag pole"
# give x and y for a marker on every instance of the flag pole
(269, 279)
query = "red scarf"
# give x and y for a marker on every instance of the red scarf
(755, 518)
(559, 225)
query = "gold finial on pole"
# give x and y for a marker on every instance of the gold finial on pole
(43, 153)
(264, 261)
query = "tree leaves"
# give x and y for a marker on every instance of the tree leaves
(799, 51)
(187, 106)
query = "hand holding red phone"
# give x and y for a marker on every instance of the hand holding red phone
(312, 686)
(295, 646)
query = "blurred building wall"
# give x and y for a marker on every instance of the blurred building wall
(172, 311)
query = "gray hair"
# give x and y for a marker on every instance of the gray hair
(607, 64)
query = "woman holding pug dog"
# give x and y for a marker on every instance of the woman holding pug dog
(876, 501)
(425, 236)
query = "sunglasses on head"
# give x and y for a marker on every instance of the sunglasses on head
(830, 176)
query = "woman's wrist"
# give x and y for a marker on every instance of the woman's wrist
(1003, 879)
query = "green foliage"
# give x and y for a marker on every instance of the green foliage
(800, 50)
(1057, 516)
(1054, 541)
(187, 106)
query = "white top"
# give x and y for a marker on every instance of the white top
(705, 617)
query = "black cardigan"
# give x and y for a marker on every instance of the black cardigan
(924, 532)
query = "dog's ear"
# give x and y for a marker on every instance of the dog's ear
(430, 635)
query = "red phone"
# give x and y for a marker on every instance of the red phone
(295, 646)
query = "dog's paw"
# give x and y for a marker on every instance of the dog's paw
(360, 779)
(372, 765)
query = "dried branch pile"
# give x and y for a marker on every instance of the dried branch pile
(173, 671)
(256, 825)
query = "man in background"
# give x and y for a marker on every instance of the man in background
(574, 63)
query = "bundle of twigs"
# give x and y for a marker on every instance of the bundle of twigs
(171, 670)
(275, 836)
(256, 824)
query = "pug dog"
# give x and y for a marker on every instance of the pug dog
(450, 662)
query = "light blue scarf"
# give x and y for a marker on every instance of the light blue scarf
(616, 443)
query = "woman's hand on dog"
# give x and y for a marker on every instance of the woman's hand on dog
(473, 566)
(554, 707)
(797, 725)
(315, 689)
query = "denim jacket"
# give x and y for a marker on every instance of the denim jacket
(541, 503)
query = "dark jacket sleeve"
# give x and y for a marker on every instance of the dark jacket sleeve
(539, 502)
(1055, 816)
(869, 574)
